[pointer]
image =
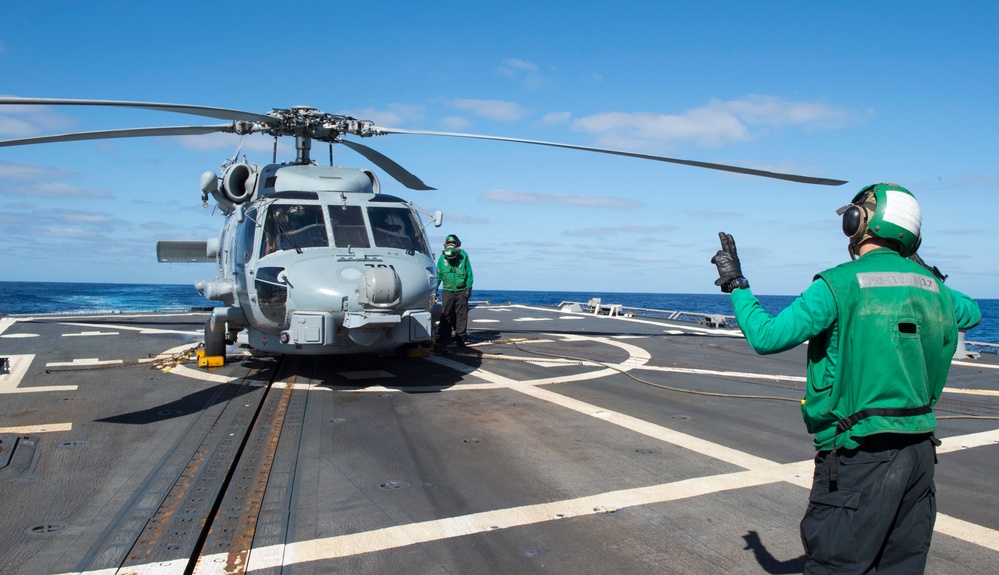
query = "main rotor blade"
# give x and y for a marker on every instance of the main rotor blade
(208, 112)
(126, 133)
(401, 174)
(709, 165)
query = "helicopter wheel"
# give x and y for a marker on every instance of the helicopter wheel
(214, 342)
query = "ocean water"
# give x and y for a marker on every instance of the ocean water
(18, 298)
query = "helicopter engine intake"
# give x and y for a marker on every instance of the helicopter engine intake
(239, 182)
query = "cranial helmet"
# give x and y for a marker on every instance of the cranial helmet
(452, 239)
(886, 211)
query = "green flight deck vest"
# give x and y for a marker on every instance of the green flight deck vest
(894, 337)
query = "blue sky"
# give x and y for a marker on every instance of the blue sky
(903, 92)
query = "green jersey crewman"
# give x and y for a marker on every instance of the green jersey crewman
(881, 330)
(454, 273)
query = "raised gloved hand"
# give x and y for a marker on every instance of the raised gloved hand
(933, 269)
(729, 269)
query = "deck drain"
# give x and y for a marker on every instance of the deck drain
(395, 484)
(532, 553)
(72, 444)
(471, 440)
(46, 528)
(339, 420)
(169, 412)
(645, 451)
(683, 417)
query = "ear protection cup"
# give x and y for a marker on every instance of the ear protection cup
(855, 221)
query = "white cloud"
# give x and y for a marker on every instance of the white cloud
(24, 121)
(16, 171)
(527, 71)
(463, 219)
(716, 124)
(535, 198)
(622, 230)
(53, 190)
(556, 118)
(261, 143)
(493, 109)
(512, 66)
(394, 115)
(454, 123)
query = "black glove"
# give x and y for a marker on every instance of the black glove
(934, 269)
(729, 268)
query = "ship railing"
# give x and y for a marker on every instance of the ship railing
(596, 307)
(982, 347)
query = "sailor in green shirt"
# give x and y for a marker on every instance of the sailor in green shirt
(881, 331)
(454, 273)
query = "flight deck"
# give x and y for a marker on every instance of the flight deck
(557, 441)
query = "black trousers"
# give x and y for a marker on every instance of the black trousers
(879, 515)
(454, 315)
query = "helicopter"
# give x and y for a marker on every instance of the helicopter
(311, 259)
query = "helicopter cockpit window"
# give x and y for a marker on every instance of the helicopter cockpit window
(396, 228)
(293, 227)
(348, 227)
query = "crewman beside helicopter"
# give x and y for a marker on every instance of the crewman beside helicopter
(454, 272)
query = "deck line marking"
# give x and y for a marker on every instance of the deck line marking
(10, 381)
(962, 442)
(82, 362)
(986, 392)
(89, 333)
(736, 374)
(973, 364)
(427, 531)
(142, 330)
(347, 545)
(202, 375)
(5, 323)
(41, 428)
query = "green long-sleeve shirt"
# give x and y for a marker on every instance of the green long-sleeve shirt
(837, 389)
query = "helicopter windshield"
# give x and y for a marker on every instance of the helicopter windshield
(396, 228)
(348, 227)
(293, 227)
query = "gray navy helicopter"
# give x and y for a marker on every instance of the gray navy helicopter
(314, 259)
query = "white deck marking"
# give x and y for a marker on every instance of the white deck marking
(19, 335)
(986, 392)
(89, 333)
(758, 471)
(141, 330)
(42, 428)
(735, 374)
(365, 374)
(6, 322)
(83, 362)
(973, 364)
(18, 367)
(961, 442)
(797, 473)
